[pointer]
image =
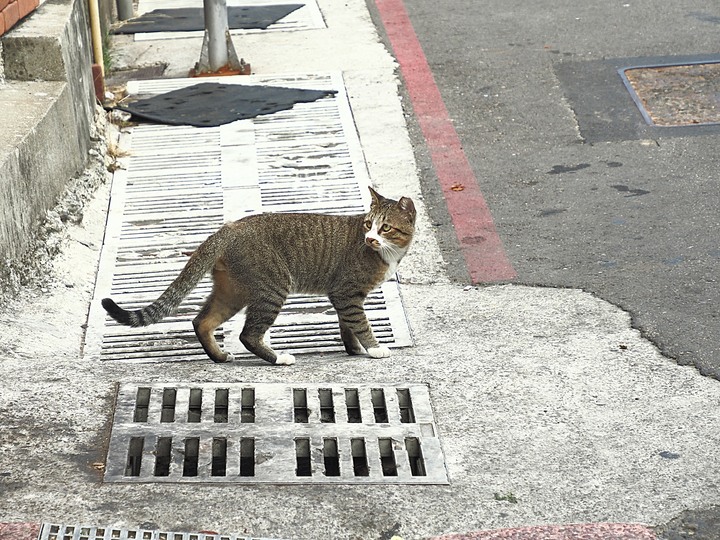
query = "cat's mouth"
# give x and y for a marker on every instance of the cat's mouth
(373, 244)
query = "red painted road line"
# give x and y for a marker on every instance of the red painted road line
(585, 531)
(19, 531)
(480, 243)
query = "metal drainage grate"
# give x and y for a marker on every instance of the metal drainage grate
(275, 433)
(179, 184)
(308, 17)
(52, 531)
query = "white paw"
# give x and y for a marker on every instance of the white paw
(285, 360)
(230, 358)
(379, 352)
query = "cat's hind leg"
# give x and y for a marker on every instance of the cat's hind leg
(223, 302)
(214, 313)
(259, 317)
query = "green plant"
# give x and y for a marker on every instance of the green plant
(108, 56)
(509, 497)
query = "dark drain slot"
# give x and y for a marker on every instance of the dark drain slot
(219, 457)
(407, 415)
(192, 455)
(163, 452)
(414, 451)
(327, 407)
(134, 456)
(331, 457)
(359, 457)
(302, 457)
(379, 407)
(167, 412)
(352, 402)
(195, 405)
(247, 407)
(247, 457)
(142, 403)
(300, 405)
(387, 457)
(221, 405)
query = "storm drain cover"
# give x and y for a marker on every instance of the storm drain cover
(306, 16)
(193, 19)
(51, 531)
(214, 104)
(179, 184)
(676, 95)
(275, 433)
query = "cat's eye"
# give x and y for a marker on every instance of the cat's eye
(368, 224)
(385, 228)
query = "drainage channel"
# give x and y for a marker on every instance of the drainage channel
(308, 17)
(178, 184)
(55, 531)
(275, 433)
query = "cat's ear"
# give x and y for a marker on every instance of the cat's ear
(376, 197)
(406, 205)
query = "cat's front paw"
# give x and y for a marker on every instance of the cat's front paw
(379, 352)
(285, 360)
(226, 357)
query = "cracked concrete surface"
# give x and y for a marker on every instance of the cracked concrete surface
(545, 394)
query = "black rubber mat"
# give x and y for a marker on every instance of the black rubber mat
(213, 104)
(193, 19)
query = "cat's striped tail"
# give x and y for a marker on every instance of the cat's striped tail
(200, 263)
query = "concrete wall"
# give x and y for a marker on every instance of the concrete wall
(47, 106)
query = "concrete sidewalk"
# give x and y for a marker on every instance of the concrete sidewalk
(551, 410)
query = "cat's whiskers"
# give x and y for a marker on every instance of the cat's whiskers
(391, 252)
(362, 243)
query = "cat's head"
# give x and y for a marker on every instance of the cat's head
(389, 225)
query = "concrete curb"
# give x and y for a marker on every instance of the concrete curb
(46, 125)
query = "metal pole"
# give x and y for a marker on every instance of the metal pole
(124, 9)
(216, 27)
(217, 53)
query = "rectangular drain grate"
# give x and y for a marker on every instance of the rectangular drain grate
(272, 433)
(53, 531)
(308, 17)
(179, 184)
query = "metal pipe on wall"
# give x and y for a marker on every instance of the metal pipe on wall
(96, 35)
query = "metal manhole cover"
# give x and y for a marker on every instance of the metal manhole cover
(275, 433)
(179, 184)
(53, 531)
(676, 95)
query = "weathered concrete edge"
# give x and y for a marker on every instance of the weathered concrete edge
(53, 44)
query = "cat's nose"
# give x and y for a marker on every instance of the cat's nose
(371, 242)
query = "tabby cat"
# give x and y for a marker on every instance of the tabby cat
(258, 261)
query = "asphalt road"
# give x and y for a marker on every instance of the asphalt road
(584, 194)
